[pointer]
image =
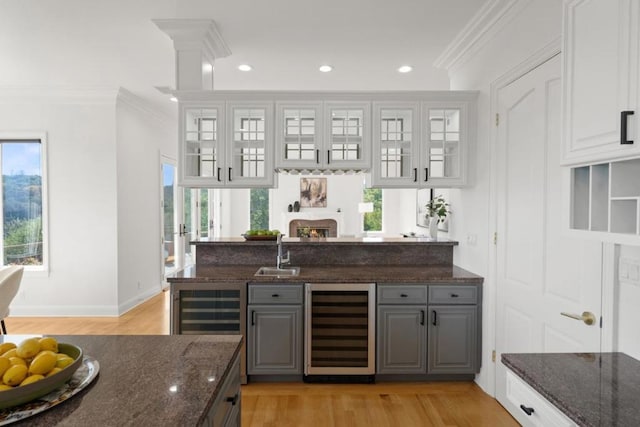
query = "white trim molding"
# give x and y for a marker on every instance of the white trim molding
(83, 95)
(134, 101)
(484, 25)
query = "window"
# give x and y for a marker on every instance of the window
(22, 217)
(259, 207)
(373, 220)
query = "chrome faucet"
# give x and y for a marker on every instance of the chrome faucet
(280, 260)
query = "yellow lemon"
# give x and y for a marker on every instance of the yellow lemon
(43, 363)
(63, 361)
(4, 387)
(32, 379)
(53, 371)
(4, 365)
(10, 353)
(28, 348)
(6, 346)
(49, 343)
(15, 375)
(17, 361)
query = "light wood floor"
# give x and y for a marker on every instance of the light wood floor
(445, 404)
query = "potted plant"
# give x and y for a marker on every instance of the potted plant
(437, 212)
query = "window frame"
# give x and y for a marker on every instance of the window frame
(43, 269)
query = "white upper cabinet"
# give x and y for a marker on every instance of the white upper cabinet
(201, 158)
(299, 142)
(348, 135)
(422, 144)
(226, 145)
(396, 144)
(601, 80)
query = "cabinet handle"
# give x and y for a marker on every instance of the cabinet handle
(253, 318)
(526, 410)
(233, 399)
(404, 295)
(422, 317)
(275, 296)
(318, 157)
(230, 174)
(426, 174)
(415, 174)
(328, 156)
(454, 295)
(434, 318)
(219, 171)
(624, 115)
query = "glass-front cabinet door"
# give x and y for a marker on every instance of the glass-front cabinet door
(443, 151)
(395, 144)
(202, 144)
(348, 130)
(250, 147)
(299, 135)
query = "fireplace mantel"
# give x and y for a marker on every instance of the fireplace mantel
(287, 217)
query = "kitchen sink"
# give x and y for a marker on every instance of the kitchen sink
(278, 272)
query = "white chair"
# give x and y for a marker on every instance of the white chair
(9, 284)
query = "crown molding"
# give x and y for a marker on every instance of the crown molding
(100, 95)
(194, 34)
(130, 99)
(478, 31)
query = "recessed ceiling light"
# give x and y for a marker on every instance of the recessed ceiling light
(207, 67)
(405, 69)
(325, 68)
(173, 99)
(244, 67)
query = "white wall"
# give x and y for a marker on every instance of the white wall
(104, 197)
(537, 25)
(141, 137)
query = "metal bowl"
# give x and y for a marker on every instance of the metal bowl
(29, 392)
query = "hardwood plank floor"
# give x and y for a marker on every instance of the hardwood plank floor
(442, 404)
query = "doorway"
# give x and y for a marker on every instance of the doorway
(540, 271)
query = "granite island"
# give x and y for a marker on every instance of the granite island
(152, 380)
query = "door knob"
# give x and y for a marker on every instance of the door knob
(587, 317)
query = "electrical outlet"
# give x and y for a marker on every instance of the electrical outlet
(472, 239)
(629, 270)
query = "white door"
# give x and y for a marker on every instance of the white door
(540, 272)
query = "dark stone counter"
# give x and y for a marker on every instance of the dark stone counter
(137, 379)
(592, 389)
(331, 274)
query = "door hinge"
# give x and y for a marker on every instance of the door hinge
(600, 322)
(493, 356)
(497, 119)
(495, 237)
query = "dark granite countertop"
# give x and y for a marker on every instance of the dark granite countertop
(592, 389)
(138, 374)
(330, 241)
(331, 274)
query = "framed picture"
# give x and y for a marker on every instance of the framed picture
(422, 198)
(313, 192)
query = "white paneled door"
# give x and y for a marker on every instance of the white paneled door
(540, 271)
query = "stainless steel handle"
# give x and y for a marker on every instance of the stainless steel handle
(587, 317)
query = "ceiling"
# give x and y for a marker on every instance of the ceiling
(114, 43)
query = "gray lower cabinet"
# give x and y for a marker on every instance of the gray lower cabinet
(225, 410)
(274, 330)
(454, 335)
(402, 331)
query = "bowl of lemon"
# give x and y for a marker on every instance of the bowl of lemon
(35, 367)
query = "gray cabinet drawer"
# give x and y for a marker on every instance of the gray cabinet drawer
(453, 294)
(402, 294)
(275, 294)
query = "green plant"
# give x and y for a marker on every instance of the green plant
(438, 207)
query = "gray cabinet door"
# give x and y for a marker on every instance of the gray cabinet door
(453, 339)
(274, 339)
(402, 338)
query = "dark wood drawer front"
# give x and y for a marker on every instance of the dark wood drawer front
(275, 294)
(453, 294)
(402, 294)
